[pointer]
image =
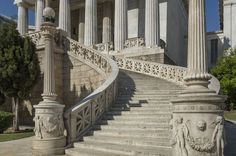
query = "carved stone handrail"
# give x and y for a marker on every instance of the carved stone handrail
(82, 116)
(171, 73)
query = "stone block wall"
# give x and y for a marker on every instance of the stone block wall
(79, 80)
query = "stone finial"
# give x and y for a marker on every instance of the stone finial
(49, 15)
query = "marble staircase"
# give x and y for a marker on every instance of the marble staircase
(138, 122)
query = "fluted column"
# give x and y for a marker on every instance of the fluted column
(152, 33)
(49, 76)
(106, 29)
(81, 26)
(22, 23)
(39, 14)
(64, 16)
(90, 22)
(197, 57)
(120, 24)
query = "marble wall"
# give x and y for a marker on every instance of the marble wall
(177, 32)
(230, 23)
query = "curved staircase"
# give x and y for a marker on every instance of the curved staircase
(137, 123)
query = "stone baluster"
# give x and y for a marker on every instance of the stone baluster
(81, 26)
(198, 123)
(107, 23)
(152, 33)
(90, 22)
(64, 16)
(49, 125)
(22, 23)
(39, 14)
(120, 24)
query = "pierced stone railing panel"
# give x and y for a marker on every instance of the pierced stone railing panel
(171, 73)
(81, 116)
(104, 47)
(167, 72)
(36, 37)
(134, 42)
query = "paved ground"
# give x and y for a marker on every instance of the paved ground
(22, 147)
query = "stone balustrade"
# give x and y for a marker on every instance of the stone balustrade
(170, 73)
(134, 42)
(36, 37)
(104, 47)
(84, 114)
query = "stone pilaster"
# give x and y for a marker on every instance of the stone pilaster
(81, 26)
(39, 14)
(152, 33)
(198, 122)
(22, 23)
(120, 24)
(64, 16)
(90, 22)
(49, 124)
(107, 22)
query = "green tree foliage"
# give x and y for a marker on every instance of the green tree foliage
(225, 71)
(5, 121)
(19, 67)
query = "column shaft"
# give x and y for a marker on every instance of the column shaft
(39, 14)
(120, 24)
(64, 16)
(49, 77)
(152, 34)
(90, 22)
(22, 23)
(197, 59)
(107, 23)
(81, 26)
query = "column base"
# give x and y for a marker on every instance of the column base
(49, 147)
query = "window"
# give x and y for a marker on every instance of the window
(214, 51)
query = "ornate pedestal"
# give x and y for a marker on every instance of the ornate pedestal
(198, 125)
(49, 129)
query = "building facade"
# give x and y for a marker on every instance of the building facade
(116, 25)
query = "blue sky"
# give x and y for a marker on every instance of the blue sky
(7, 8)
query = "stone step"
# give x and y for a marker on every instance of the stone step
(139, 118)
(143, 107)
(143, 113)
(134, 123)
(130, 149)
(142, 110)
(143, 104)
(85, 151)
(147, 96)
(135, 133)
(138, 129)
(140, 99)
(141, 141)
